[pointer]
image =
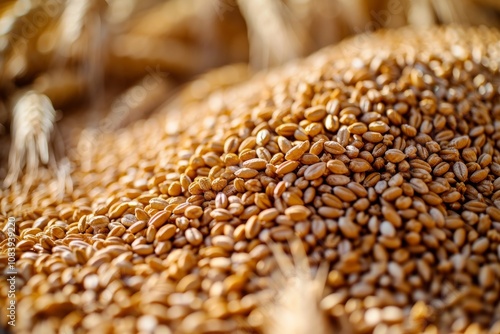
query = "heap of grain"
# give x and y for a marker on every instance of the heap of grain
(380, 154)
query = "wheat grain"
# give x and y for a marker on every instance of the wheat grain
(406, 243)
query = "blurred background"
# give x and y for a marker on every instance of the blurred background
(103, 64)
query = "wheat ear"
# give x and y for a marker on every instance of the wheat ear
(32, 126)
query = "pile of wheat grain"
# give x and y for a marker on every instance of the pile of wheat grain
(380, 155)
(107, 63)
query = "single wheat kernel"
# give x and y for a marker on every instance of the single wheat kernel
(315, 171)
(297, 212)
(333, 147)
(159, 218)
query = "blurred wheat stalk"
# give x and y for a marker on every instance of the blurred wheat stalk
(105, 64)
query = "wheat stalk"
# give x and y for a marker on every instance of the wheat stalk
(296, 305)
(83, 32)
(272, 32)
(72, 24)
(462, 12)
(420, 13)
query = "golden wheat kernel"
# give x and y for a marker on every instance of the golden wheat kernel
(263, 137)
(287, 167)
(373, 137)
(392, 314)
(387, 229)
(185, 181)
(204, 183)
(193, 236)
(46, 242)
(248, 143)
(287, 129)
(480, 245)
(297, 212)
(315, 171)
(223, 241)
(143, 249)
(337, 180)
(99, 221)
(337, 167)
(484, 160)
(358, 165)
(331, 123)
(221, 214)
(291, 198)
(441, 169)
(460, 142)
(408, 130)
(494, 213)
(479, 175)
(351, 151)
(309, 159)
(392, 193)
(174, 189)
(284, 144)
(193, 212)
(317, 147)
(348, 228)
(315, 114)
(394, 155)
(281, 233)
(344, 193)
(347, 119)
(486, 276)
(165, 232)
(118, 210)
(246, 173)
(311, 130)
(230, 159)
(158, 203)
(357, 128)
(495, 169)
(279, 189)
(159, 218)
(451, 197)
(218, 184)
(255, 163)
(378, 126)
(247, 154)
(333, 147)
(297, 151)
(419, 186)
(101, 210)
(329, 212)
(276, 159)
(460, 170)
(252, 228)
